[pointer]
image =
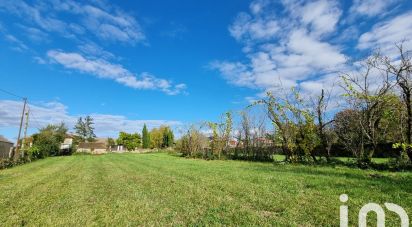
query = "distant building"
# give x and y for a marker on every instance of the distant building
(118, 148)
(99, 146)
(259, 141)
(67, 144)
(5, 147)
(233, 143)
(265, 142)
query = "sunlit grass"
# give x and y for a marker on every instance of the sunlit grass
(161, 189)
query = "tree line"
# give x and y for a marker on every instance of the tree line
(48, 140)
(157, 138)
(371, 114)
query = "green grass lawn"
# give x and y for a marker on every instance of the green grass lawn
(161, 189)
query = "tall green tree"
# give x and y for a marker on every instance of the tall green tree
(402, 71)
(367, 92)
(145, 137)
(80, 129)
(84, 129)
(88, 122)
(168, 137)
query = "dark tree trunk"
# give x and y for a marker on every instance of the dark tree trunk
(407, 96)
(321, 126)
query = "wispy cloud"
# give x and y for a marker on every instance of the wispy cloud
(386, 34)
(55, 112)
(18, 45)
(34, 34)
(104, 69)
(371, 7)
(111, 24)
(93, 50)
(33, 14)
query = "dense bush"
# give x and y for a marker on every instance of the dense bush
(8, 163)
(45, 143)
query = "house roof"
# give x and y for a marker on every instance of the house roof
(4, 140)
(92, 145)
(100, 140)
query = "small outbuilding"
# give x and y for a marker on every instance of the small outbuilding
(99, 146)
(5, 147)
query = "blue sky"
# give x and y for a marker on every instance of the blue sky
(177, 62)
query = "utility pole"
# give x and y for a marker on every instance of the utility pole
(16, 155)
(25, 133)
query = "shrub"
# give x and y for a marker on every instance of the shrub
(5, 163)
(34, 153)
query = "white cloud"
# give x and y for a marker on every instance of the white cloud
(116, 26)
(110, 24)
(34, 34)
(33, 14)
(104, 69)
(247, 28)
(95, 51)
(371, 7)
(386, 34)
(321, 16)
(54, 112)
(313, 52)
(235, 72)
(284, 48)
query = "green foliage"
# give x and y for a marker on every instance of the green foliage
(220, 135)
(88, 121)
(45, 143)
(161, 137)
(130, 141)
(80, 129)
(110, 143)
(294, 124)
(156, 138)
(6, 163)
(216, 142)
(48, 140)
(403, 159)
(193, 143)
(84, 129)
(369, 93)
(145, 137)
(228, 127)
(168, 138)
(403, 146)
(34, 152)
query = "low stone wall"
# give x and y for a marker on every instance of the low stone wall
(104, 151)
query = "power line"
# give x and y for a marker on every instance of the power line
(35, 120)
(10, 93)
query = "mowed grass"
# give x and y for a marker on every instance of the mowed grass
(162, 189)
